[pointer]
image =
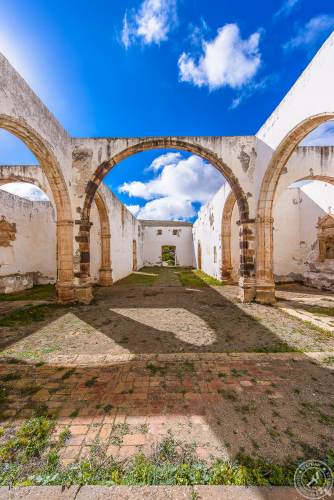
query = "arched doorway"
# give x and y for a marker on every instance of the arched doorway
(58, 187)
(226, 272)
(265, 286)
(199, 256)
(247, 252)
(105, 271)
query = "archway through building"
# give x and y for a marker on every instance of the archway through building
(265, 283)
(31, 141)
(247, 253)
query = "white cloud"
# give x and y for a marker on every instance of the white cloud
(25, 190)
(126, 32)
(167, 208)
(178, 183)
(247, 92)
(190, 178)
(226, 61)
(321, 136)
(134, 209)
(151, 24)
(163, 160)
(314, 32)
(287, 7)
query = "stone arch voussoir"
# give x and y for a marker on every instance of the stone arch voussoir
(264, 228)
(52, 170)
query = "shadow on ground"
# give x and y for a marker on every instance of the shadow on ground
(271, 405)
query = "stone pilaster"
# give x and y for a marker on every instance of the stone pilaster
(105, 272)
(83, 288)
(64, 285)
(247, 260)
(265, 285)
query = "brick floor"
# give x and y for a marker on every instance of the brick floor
(274, 405)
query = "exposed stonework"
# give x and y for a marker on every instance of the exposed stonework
(252, 165)
(7, 232)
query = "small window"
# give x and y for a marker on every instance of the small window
(214, 254)
(159, 232)
(176, 232)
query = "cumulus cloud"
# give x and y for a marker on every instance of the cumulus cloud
(134, 209)
(287, 7)
(151, 23)
(25, 190)
(167, 208)
(163, 160)
(312, 33)
(178, 183)
(321, 136)
(226, 61)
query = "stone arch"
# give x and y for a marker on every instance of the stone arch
(265, 286)
(246, 233)
(199, 255)
(58, 187)
(226, 271)
(105, 271)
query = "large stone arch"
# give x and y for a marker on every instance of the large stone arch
(265, 286)
(64, 222)
(247, 251)
(105, 271)
(229, 204)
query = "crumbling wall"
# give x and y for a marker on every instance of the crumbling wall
(172, 233)
(207, 230)
(29, 256)
(296, 214)
(124, 229)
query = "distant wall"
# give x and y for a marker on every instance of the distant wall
(207, 233)
(125, 229)
(33, 247)
(30, 257)
(159, 233)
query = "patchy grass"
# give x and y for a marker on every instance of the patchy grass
(322, 333)
(329, 360)
(38, 292)
(91, 382)
(281, 347)
(29, 314)
(68, 373)
(30, 457)
(322, 311)
(144, 277)
(160, 370)
(196, 278)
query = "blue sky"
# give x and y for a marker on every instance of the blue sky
(161, 67)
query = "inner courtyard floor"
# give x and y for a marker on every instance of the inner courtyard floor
(171, 352)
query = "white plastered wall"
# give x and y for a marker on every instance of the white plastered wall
(34, 248)
(207, 231)
(296, 213)
(153, 241)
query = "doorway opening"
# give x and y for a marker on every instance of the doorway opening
(168, 255)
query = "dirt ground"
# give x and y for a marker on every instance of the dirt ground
(148, 358)
(165, 318)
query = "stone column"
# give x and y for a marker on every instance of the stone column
(83, 288)
(226, 269)
(105, 271)
(265, 284)
(64, 285)
(247, 260)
